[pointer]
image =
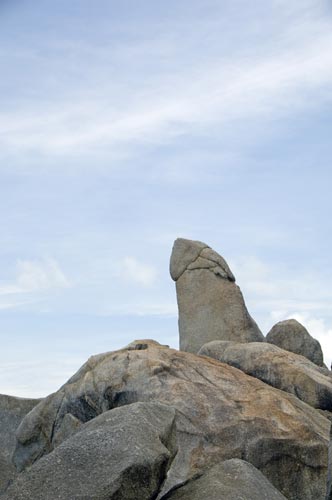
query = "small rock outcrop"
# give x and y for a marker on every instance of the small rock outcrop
(230, 480)
(12, 411)
(211, 305)
(292, 336)
(220, 413)
(275, 366)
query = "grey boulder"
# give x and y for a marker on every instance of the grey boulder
(279, 368)
(123, 454)
(232, 480)
(12, 411)
(211, 305)
(292, 336)
(221, 413)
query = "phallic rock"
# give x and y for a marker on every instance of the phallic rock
(231, 480)
(12, 411)
(122, 454)
(294, 337)
(221, 413)
(275, 366)
(211, 305)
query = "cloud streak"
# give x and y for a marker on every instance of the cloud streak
(188, 100)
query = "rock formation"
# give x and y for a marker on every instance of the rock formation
(211, 305)
(281, 369)
(12, 411)
(220, 413)
(292, 336)
(243, 419)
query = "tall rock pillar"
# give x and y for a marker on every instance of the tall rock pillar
(211, 305)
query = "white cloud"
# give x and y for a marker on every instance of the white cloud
(137, 272)
(40, 275)
(35, 276)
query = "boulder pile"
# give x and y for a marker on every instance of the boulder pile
(229, 416)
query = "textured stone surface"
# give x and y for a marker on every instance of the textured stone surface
(329, 476)
(292, 336)
(281, 369)
(123, 454)
(12, 411)
(211, 305)
(230, 480)
(222, 413)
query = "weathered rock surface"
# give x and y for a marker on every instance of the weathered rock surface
(281, 369)
(326, 414)
(221, 413)
(211, 305)
(123, 454)
(329, 475)
(292, 336)
(12, 411)
(231, 480)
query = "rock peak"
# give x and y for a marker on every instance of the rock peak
(189, 255)
(211, 305)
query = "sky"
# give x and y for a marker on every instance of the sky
(124, 125)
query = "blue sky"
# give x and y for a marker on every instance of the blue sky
(124, 125)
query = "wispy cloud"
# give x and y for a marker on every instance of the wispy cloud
(134, 271)
(214, 90)
(35, 276)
